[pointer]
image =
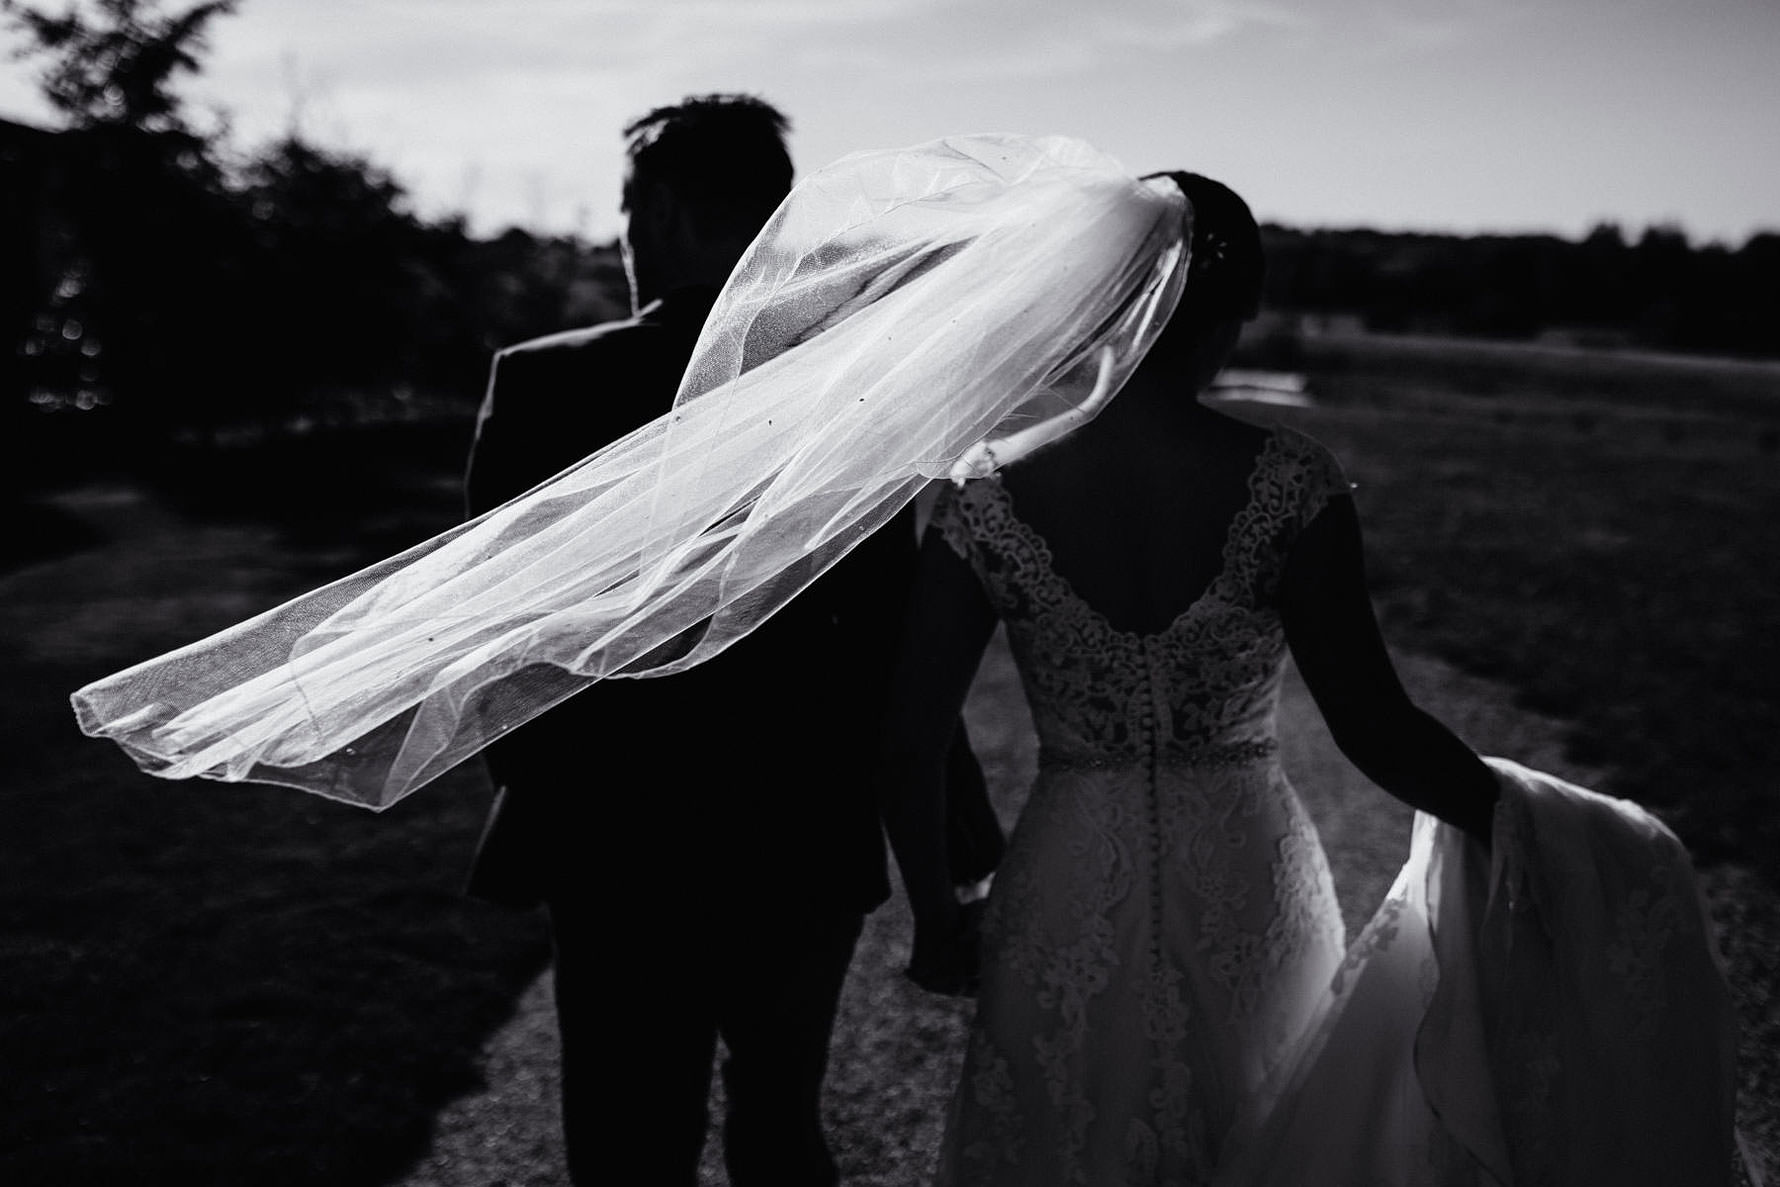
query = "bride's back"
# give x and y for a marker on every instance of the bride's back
(1136, 508)
(1163, 891)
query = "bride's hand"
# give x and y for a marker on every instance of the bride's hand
(945, 955)
(992, 453)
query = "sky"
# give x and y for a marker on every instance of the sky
(1442, 115)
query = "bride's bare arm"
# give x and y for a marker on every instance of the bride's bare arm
(1334, 637)
(948, 625)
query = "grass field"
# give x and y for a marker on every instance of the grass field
(232, 985)
(1594, 530)
(222, 984)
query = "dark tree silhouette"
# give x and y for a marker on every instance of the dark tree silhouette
(113, 63)
(159, 282)
(144, 193)
(205, 287)
(1660, 291)
(338, 263)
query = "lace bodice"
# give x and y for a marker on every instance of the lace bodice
(1204, 687)
(1164, 916)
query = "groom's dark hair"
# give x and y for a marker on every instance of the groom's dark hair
(723, 156)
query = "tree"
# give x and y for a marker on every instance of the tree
(286, 284)
(113, 63)
(147, 199)
(337, 259)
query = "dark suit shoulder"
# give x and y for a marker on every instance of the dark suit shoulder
(608, 350)
(553, 400)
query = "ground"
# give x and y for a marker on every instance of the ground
(243, 985)
(897, 1050)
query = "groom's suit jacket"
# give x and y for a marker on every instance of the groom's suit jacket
(742, 784)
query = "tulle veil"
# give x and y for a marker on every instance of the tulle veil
(899, 310)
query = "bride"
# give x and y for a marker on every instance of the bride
(1165, 995)
(1164, 992)
(1164, 919)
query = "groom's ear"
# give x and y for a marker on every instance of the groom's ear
(650, 206)
(665, 219)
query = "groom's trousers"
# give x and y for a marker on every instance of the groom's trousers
(644, 994)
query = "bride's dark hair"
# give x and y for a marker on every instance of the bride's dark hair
(1227, 267)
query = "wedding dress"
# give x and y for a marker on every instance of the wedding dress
(1164, 919)
(1166, 997)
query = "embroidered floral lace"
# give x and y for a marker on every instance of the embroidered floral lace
(1164, 920)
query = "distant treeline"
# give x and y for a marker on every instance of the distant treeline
(188, 288)
(157, 281)
(1657, 291)
(184, 289)
(151, 268)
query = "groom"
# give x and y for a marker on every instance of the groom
(705, 843)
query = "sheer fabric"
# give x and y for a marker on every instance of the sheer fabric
(1552, 1013)
(898, 308)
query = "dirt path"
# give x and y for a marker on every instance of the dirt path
(896, 1049)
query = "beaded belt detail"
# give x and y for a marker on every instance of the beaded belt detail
(1222, 754)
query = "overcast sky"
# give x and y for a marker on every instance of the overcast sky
(1459, 115)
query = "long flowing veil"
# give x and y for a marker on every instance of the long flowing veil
(899, 308)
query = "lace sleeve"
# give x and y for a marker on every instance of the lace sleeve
(951, 523)
(1319, 476)
(1294, 480)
